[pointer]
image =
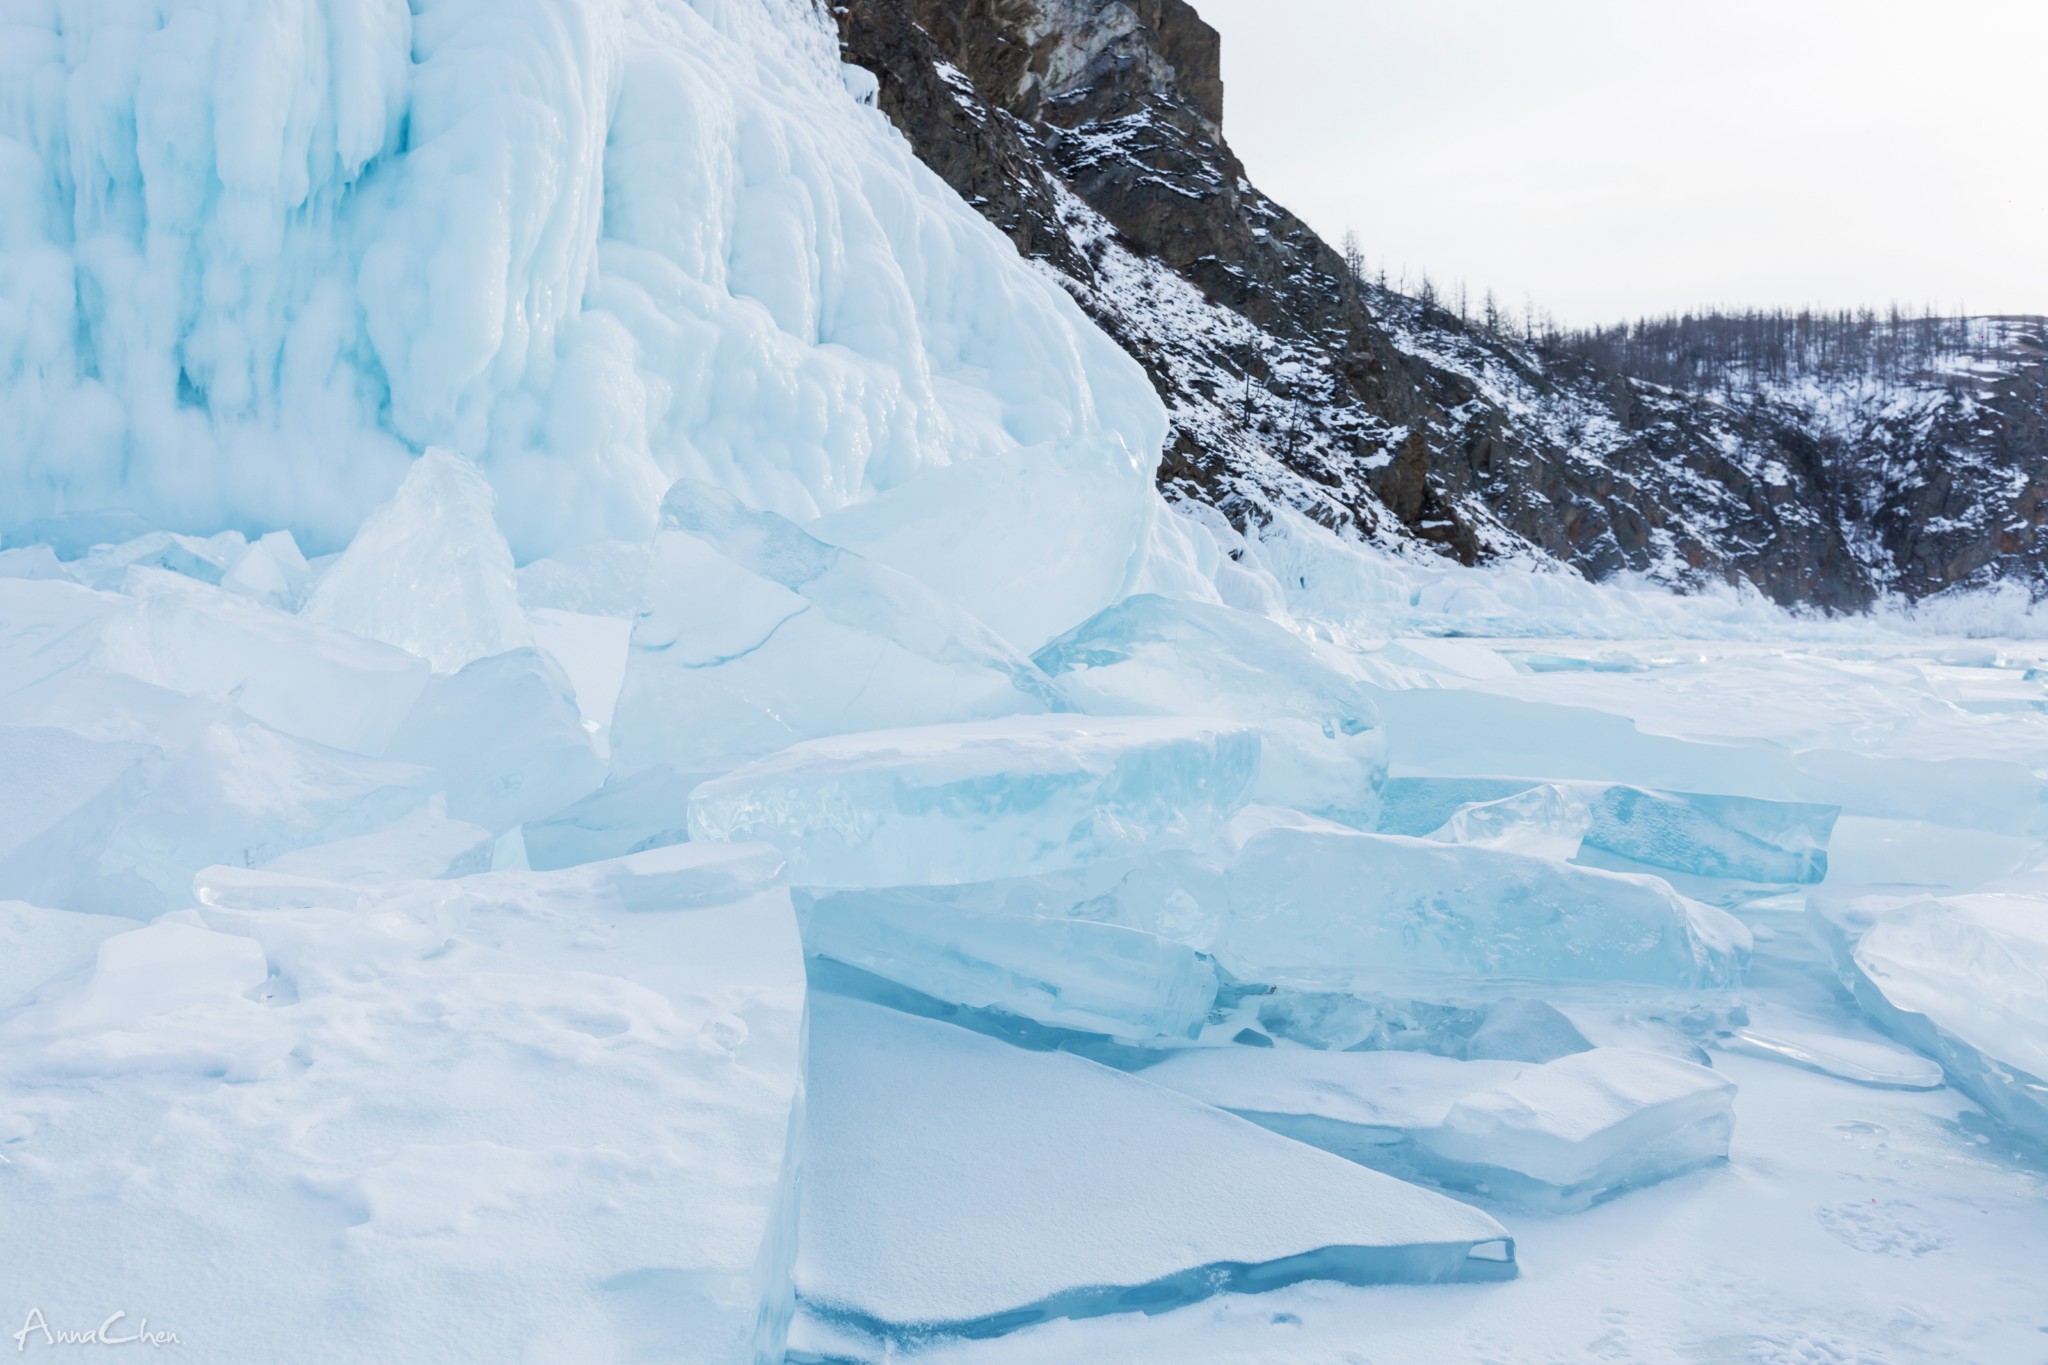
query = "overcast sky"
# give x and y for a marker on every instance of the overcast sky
(1615, 157)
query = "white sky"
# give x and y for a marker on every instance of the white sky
(1616, 157)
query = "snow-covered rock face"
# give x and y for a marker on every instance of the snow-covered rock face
(1090, 132)
(256, 255)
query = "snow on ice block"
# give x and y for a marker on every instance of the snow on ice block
(1868, 852)
(243, 793)
(1449, 732)
(424, 845)
(1063, 973)
(167, 966)
(49, 776)
(1876, 1064)
(1525, 1031)
(31, 561)
(1456, 732)
(206, 559)
(980, 532)
(1964, 979)
(273, 572)
(959, 1186)
(515, 1116)
(1584, 1128)
(1315, 902)
(119, 827)
(429, 571)
(1355, 1104)
(978, 802)
(325, 685)
(37, 944)
(1322, 750)
(48, 629)
(506, 735)
(757, 635)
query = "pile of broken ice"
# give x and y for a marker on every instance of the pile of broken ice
(841, 1015)
(275, 918)
(864, 871)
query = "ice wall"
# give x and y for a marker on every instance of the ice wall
(253, 256)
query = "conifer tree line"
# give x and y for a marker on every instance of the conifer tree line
(1711, 350)
(1759, 348)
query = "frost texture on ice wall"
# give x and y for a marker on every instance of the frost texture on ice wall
(255, 256)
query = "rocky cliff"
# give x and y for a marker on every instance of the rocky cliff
(1091, 132)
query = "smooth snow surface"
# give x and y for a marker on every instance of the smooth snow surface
(401, 1094)
(420, 847)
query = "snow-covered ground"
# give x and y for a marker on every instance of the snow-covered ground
(755, 834)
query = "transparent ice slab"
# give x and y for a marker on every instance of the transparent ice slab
(979, 532)
(961, 1187)
(1311, 901)
(1322, 749)
(309, 680)
(1701, 835)
(1062, 973)
(756, 635)
(429, 571)
(1362, 1106)
(977, 802)
(507, 738)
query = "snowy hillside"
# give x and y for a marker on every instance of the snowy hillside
(609, 753)
(1297, 382)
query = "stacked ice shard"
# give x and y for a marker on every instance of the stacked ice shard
(1964, 979)
(1322, 750)
(1065, 1156)
(536, 535)
(971, 803)
(1553, 1135)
